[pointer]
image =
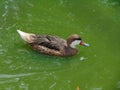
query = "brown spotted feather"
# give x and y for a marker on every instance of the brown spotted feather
(51, 45)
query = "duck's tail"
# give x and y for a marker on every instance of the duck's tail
(26, 36)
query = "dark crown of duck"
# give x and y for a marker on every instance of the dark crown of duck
(53, 45)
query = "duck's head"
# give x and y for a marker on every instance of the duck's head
(74, 40)
(28, 37)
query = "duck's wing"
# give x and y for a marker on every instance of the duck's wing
(50, 42)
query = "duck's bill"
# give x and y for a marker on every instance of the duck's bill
(84, 44)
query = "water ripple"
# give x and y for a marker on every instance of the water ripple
(9, 80)
(15, 75)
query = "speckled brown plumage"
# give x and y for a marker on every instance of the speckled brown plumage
(52, 45)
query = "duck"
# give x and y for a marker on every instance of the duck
(53, 45)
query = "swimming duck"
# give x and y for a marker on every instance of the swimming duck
(53, 45)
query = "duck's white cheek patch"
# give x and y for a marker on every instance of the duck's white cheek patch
(74, 43)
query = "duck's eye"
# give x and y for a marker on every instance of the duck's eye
(77, 38)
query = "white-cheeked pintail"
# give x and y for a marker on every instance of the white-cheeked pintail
(53, 45)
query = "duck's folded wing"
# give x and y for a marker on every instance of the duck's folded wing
(51, 42)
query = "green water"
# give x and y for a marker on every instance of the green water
(93, 68)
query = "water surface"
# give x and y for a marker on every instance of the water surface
(93, 68)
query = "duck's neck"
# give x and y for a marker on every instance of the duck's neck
(70, 51)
